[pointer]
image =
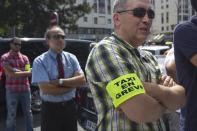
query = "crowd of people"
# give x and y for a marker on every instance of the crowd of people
(129, 91)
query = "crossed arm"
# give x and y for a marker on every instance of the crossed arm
(53, 88)
(18, 73)
(150, 106)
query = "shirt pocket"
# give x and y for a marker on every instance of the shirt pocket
(68, 71)
(52, 71)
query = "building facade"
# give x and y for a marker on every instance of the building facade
(185, 10)
(95, 25)
(166, 16)
(98, 23)
(169, 13)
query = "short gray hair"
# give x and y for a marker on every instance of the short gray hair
(119, 5)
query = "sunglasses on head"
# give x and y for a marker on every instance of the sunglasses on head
(57, 37)
(140, 12)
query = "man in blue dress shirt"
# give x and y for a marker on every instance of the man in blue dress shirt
(57, 74)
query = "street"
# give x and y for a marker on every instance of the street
(20, 123)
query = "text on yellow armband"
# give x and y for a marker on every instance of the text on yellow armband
(124, 88)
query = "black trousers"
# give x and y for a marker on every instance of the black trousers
(59, 116)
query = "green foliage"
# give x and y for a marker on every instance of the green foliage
(32, 17)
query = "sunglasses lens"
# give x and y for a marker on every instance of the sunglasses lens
(139, 12)
(61, 36)
(151, 14)
(57, 37)
(17, 44)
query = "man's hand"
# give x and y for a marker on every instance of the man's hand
(194, 60)
(167, 81)
(170, 97)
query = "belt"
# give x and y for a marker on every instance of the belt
(62, 104)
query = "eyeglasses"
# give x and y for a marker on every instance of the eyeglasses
(57, 37)
(17, 44)
(140, 12)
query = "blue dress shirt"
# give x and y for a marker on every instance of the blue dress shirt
(45, 69)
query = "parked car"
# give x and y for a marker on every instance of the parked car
(159, 53)
(32, 47)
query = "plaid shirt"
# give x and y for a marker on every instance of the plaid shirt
(110, 59)
(17, 62)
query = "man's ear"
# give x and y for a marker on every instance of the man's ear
(116, 19)
(46, 42)
(11, 44)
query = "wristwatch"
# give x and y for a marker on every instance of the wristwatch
(60, 82)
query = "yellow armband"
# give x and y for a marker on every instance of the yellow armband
(27, 67)
(124, 88)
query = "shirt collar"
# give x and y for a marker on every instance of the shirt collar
(129, 46)
(122, 42)
(14, 53)
(53, 54)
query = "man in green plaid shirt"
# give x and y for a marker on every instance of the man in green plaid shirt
(129, 91)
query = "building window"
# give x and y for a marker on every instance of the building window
(102, 6)
(95, 20)
(85, 19)
(109, 6)
(162, 18)
(172, 27)
(162, 7)
(99, 31)
(167, 6)
(167, 17)
(186, 11)
(109, 21)
(153, 2)
(167, 28)
(95, 6)
(82, 31)
(162, 28)
(179, 18)
(185, 18)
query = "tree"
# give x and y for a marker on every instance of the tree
(32, 17)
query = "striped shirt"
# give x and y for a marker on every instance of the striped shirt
(110, 59)
(17, 62)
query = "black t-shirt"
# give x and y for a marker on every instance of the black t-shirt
(185, 45)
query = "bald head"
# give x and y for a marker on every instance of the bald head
(54, 29)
